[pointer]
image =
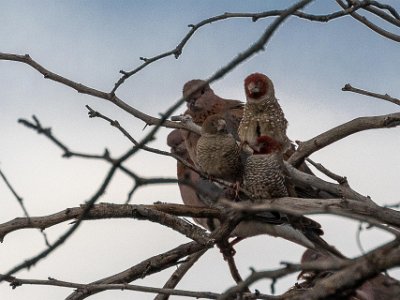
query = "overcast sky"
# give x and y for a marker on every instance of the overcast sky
(90, 41)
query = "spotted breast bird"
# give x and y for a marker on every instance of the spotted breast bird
(205, 103)
(262, 113)
(264, 176)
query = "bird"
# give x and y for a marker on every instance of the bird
(194, 190)
(201, 192)
(217, 151)
(205, 103)
(263, 174)
(262, 113)
(265, 178)
(380, 287)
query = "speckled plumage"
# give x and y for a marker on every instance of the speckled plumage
(262, 113)
(205, 103)
(218, 153)
(263, 176)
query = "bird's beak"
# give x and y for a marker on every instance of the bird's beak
(221, 125)
(191, 104)
(256, 148)
(253, 88)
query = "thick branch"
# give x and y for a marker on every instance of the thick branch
(351, 274)
(162, 261)
(351, 277)
(363, 123)
(340, 190)
(80, 88)
(106, 210)
(345, 207)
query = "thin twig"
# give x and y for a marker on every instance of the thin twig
(358, 237)
(177, 51)
(160, 262)
(370, 25)
(349, 88)
(33, 260)
(16, 282)
(138, 180)
(179, 273)
(339, 179)
(19, 199)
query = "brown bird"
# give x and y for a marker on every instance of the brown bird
(218, 153)
(381, 287)
(205, 103)
(262, 113)
(264, 176)
(194, 190)
(264, 172)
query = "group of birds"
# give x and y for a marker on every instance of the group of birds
(245, 144)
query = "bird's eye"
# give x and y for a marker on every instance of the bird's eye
(203, 91)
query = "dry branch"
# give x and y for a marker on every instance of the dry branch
(337, 133)
(179, 273)
(371, 25)
(349, 88)
(177, 51)
(156, 213)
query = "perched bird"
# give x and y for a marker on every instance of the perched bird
(264, 176)
(381, 287)
(201, 192)
(218, 153)
(262, 113)
(194, 190)
(205, 103)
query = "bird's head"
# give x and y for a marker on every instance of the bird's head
(176, 142)
(214, 124)
(266, 145)
(258, 87)
(194, 102)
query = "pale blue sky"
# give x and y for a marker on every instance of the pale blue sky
(90, 41)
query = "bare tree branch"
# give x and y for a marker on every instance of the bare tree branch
(357, 210)
(359, 124)
(371, 25)
(350, 274)
(339, 179)
(161, 261)
(31, 261)
(19, 199)
(138, 180)
(254, 16)
(349, 88)
(340, 190)
(383, 15)
(179, 273)
(16, 282)
(387, 7)
(156, 213)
